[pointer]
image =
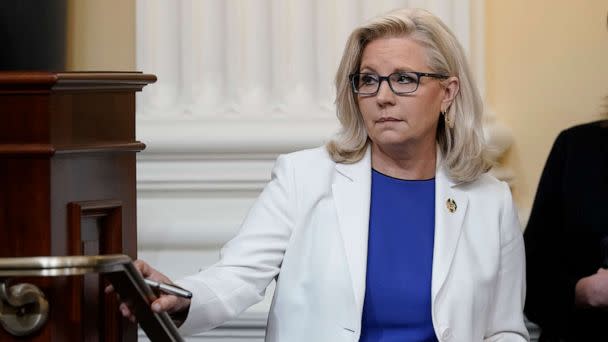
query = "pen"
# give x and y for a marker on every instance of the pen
(169, 289)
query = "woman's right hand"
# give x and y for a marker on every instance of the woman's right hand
(171, 304)
(592, 291)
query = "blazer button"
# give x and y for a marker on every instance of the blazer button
(446, 334)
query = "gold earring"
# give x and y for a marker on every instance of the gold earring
(448, 121)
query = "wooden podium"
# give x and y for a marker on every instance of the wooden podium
(67, 187)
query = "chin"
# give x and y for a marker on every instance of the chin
(393, 138)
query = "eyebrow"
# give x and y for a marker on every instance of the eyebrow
(372, 70)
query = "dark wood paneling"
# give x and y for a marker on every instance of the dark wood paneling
(25, 118)
(95, 227)
(76, 123)
(67, 180)
(25, 217)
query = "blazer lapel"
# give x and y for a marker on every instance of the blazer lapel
(450, 209)
(351, 191)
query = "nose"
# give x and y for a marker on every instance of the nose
(385, 95)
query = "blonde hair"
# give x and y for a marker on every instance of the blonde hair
(462, 145)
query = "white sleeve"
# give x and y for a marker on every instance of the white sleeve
(249, 262)
(506, 321)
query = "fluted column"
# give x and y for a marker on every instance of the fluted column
(159, 50)
(229, 59)
(207, 55)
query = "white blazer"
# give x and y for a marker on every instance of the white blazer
(309, 228)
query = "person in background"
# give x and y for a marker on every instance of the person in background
(393, 231)
(567, 239)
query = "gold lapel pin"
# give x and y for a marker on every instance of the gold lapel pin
(451, 204)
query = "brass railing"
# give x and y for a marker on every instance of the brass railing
(24, 307)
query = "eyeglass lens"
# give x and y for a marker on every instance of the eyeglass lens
(402, 82)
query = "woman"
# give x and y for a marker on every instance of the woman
(391, 232)
(567, 239)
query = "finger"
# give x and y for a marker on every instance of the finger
(124, 310)
(165, 303)
(109, 289)
(142, 267)
(148, 271)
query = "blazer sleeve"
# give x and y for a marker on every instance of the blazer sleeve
(550, 300)
(249, 262)
(506, 320)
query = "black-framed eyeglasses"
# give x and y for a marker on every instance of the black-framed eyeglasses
(401, 83)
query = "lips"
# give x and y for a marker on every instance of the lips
(387, 119)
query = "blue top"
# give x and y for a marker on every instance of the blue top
(399, 261)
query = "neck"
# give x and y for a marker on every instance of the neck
(405, 163)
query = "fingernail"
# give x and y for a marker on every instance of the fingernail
(156, 307)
